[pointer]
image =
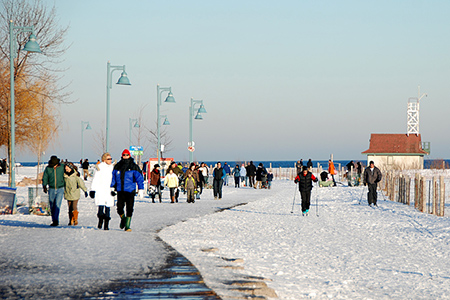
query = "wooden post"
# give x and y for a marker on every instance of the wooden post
(442, 194)
(433, 196)
(424, 193)
(408, 190)
(416, 190)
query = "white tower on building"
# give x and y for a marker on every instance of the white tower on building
(412, 122)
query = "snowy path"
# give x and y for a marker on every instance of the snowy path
(350, 251)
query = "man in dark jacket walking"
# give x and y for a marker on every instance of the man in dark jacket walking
(53, 178)
(126, 175)
(372, 175)
(251, 173)
(305, 180)
(218, 176)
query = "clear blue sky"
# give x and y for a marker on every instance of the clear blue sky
(281, 80)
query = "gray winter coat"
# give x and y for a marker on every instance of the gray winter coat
(372, 177)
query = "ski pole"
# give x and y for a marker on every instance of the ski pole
(317, 203)
(360, 198)
(293, 202)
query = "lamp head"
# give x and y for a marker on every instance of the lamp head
(170, 98)
(88, 127)
(202, 109)
(166, 121)
(199, 116)
(124, 79)
(32, 45)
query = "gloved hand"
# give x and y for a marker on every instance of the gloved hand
(45, 189)
(113, 193)
(141, 194)
(86, 194)
(92, 194)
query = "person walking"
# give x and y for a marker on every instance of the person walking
(372, 175)
(305, 184)
(177, 170)
(100, 191)
(193, 171)
(227, 170)
(155, 183)
(269, 179)
(204, 169)
(260, 173)
(309, 165)
(171, 181)
(85, 167)
(218, 176)
(190, 186)
(72, 186)
(53, 177)
(243, 175)
(299, 166)
(126, 175)
(251, 173)
(237, 176)
(332, 170)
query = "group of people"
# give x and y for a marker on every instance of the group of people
(63, 180)
(305, 179)
(252, 176)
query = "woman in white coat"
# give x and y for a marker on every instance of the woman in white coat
(101, 191)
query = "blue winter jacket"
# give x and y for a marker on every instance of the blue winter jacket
(132, 177)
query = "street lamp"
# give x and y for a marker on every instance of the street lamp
(30, 46)
(84, 126)
(198, 116)
(136, 125)
(169, 99)
(123, 80)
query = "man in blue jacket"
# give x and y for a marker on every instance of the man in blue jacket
(126, 175)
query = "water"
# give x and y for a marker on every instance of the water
(283, 163)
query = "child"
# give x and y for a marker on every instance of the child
(190, 186)
(72, 185)
(269, 180)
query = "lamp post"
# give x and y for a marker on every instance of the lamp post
(30, 46)
(84, 126)
(197, 117)
(130, 123)
(123, 80)
(169, 99)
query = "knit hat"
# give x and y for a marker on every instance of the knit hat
(126, 151)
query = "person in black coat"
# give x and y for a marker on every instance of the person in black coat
(305, 180)
(251, 173)
(372, 175)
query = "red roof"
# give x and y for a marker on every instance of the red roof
(395, 143)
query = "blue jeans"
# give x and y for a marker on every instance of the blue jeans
(55, 197)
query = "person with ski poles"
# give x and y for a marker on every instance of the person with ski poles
(305, 184)
(372, 175)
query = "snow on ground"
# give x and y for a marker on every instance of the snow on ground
(348, 251)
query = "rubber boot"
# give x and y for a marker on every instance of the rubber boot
(100, 221)
(122, 221)
(75, 217)
(173, 199)
(70, 219)
(127, 224)
(106, 227)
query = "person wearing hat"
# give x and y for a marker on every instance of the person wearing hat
(72, 185)
(53, 183)
(372, 175)
(305, 180)
(126, 175)
(100, 191)
(155, 183)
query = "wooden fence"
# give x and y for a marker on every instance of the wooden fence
(428, 194)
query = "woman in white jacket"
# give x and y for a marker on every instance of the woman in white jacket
(171, 181)
(101, 191)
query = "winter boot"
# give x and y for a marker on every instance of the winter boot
(173, 199)
(106, 223)
(70, 219)
(75, 217)
(127, 224)
(100, 221)
(122, 221)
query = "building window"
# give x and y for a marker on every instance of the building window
(390, 160)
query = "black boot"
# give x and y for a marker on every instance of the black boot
(106, 227)
(100, 221)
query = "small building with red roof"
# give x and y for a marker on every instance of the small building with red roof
(396, 151)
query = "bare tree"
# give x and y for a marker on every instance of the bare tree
(100, 140)
(33, 73)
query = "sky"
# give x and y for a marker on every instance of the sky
(280, 80)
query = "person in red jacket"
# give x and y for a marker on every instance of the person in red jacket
(305, 180)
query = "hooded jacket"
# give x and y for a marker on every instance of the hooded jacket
(126, 175)
(73, 184)
(101, 184)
